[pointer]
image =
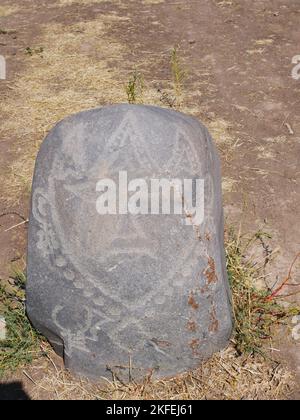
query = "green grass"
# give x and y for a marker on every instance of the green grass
(135, 87)
(178, 72)
(255, 314)
(31, 51)
(22, 343)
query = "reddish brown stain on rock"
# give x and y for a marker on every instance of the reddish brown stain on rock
(214, 323)
(194, 345)
(204, 290)
(210, 272)
(191, 326)
(198, 233)
(192, 302)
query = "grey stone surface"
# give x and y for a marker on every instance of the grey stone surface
(112, 289)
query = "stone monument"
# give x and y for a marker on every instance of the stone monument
(119, 278)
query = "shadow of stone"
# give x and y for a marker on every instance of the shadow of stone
(13, 392)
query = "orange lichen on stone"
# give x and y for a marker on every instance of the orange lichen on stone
(192, 302)
(191, 326)
(198, 233)
(207, 236)
(210, 272)
(194, 345)
(214, 323)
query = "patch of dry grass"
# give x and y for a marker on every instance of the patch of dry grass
(87, 2)
(228, 184)
(223, 134)
(80, 2)
(80, 67)
(266, 41)
(74, 72)
(8, 10)
(225, 3)
(263, 153)
(255, 51)
(221, 131)
(223, 377)
(153, 1)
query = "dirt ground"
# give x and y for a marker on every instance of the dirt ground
(65, 55)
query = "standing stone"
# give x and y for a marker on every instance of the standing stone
(144, 290)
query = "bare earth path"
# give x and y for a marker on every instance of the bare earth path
(238, 57)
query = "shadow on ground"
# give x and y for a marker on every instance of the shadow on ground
(13, 391)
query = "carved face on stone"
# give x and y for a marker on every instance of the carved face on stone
(103, 248)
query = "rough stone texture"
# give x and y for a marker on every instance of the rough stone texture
(145, 289)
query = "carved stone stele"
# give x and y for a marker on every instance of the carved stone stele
(145, 290)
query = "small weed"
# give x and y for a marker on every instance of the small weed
(33, 51)
(178, 73)
(167, 99)
(255, 314)
(21, 344)
(135, 87)
(19, 278)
